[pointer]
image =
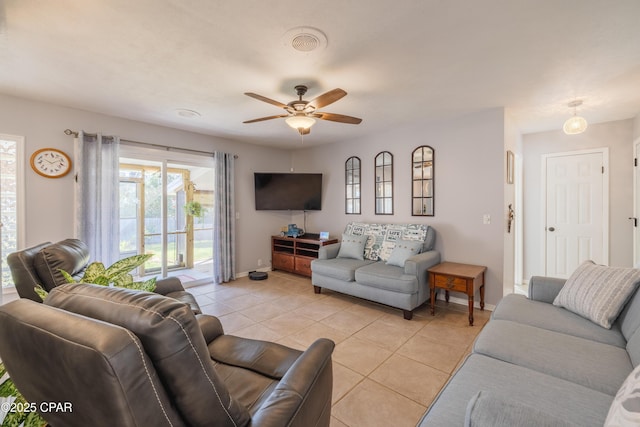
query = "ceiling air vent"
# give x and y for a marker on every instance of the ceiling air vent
(305, 39)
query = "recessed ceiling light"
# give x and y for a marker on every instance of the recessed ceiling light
(305, 39)
(190, 114)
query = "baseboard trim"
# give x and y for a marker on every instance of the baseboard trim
(465, 302)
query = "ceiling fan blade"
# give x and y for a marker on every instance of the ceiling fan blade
(327, 98)
(265, 99)
(261, 119)
(338, 118)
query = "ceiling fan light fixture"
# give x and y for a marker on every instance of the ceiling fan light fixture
(576, 124)
(300, 121)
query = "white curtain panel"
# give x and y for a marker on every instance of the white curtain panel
(97, 207)
(224, 251)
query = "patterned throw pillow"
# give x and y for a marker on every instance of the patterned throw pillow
(382, 238)
(625, 408)
(598, 292)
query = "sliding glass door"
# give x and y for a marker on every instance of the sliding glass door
(166, 209)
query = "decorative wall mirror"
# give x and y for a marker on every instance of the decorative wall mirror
(422, 160)
(384, 183)
(352, 185)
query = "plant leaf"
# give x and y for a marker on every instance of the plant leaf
(123, 281)
(67, 277)
(41, 292)
(150, 285)
(127, 264)
(94, 270)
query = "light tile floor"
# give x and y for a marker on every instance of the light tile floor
(386, 370)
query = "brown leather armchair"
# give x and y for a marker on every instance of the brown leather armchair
(41, 265)
(129, 358)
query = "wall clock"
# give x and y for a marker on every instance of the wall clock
(50, 163)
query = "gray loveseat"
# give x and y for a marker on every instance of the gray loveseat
(538, 364)
(385, 263)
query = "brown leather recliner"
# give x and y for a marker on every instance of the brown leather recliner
(114, 356)
(41, 265)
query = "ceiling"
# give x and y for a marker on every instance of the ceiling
(401, 62)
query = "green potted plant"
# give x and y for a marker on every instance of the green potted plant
(194, 208)
(117, 275)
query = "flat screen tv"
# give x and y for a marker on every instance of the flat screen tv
(288, 191)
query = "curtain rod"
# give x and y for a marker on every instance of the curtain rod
(148, 144)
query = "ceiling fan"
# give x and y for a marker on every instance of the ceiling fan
(301, 114)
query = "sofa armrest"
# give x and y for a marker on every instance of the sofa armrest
(329, 251)
(418, 265)
(210, 326)
(303, 395)
(545, 289)
(487, 410)
(168, 285)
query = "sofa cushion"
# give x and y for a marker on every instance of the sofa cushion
(562, 399)
(547, 316)
(70, 255)
(633, 348)
(629, 319)
(403, 250)
(487, 410)
(598, 292)
(352, 246)
(625, 408)
(338, 268)
(383, 276)
(172, 338)
(563, 356)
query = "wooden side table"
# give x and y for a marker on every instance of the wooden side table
(452, 276)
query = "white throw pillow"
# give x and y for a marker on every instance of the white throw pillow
(598, 292)
(625, 408)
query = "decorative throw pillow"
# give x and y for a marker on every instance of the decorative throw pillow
(625, 408)
(598, 292)
(403, 250)
(352, 246)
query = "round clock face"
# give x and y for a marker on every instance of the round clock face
(50, 163)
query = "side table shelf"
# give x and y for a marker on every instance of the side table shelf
(294, 254)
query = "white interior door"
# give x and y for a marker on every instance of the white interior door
(576, 210)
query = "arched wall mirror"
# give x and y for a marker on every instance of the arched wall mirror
(352, 186)
(384, 183)
(422, 163)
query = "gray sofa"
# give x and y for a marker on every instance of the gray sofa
(370, 274)
(538, 364)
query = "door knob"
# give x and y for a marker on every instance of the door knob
(551, 229)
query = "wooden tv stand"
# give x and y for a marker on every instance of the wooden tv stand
(294, 254)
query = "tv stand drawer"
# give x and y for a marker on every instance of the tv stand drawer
(283, 262)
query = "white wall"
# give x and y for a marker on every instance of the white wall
(469, 164)
(49, 202)
(513, 143)
(618, 137)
